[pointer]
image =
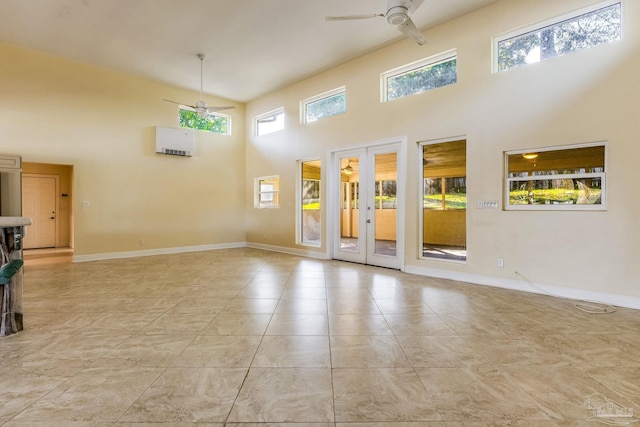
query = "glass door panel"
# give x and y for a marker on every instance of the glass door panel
(367, 203)
(385, 204)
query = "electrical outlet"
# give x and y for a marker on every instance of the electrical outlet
(500, 262)
(141, 242)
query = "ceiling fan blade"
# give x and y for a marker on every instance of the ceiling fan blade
(353, 17)
(180, 103)
(214, 109)
(414, 4)
(410, 30)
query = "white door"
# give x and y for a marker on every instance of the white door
(39, 204)
(368, 205)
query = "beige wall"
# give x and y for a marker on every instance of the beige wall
(102, 122)
(592, 95)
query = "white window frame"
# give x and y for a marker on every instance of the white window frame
(547, 23)
(559, 207)
(328, 94)
(422, 63)
(274, 193)
(223, 116)
(268, 114)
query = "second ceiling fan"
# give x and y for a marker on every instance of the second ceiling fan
(397, 14)
(201, 107)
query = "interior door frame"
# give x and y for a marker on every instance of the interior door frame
(397, 144)
(56, 178)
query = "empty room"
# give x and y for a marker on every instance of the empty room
(319, 213)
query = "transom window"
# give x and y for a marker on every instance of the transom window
(569, 177)
(421, 76)
(325, 105)
(212, 122)
(569, 33)
(270, 122)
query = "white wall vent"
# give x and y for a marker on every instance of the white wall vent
(175, 142)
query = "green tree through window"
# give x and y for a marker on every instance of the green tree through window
(210, 122)
(571, 35)
(422, 79)
(326, 107)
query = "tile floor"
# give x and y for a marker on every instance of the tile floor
(250, 338)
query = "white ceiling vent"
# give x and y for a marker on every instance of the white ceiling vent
(175, 142)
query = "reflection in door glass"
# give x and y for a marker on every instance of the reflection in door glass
(385, 204)
(350, 178)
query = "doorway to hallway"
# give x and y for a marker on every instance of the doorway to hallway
(47, 198)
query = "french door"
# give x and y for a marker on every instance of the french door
(368, 205)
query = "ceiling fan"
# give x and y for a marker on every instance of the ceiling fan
(201, 107)
(397, 14)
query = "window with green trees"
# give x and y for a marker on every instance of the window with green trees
(421, 76)
(216, 123)
(566, 34)
(324, 105)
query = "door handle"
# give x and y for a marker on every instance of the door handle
(368, 221)
(53, 217)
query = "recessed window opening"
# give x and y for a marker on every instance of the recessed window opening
(309, 221)
(270, 122)
(325, 105)
(421, 76)
(444, 200)
(569, 33)
(556, 178)
(211, 122)
(267, 189)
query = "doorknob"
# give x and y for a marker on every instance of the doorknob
(368, 221)
(53, 217)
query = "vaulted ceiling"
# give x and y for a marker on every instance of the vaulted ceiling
(252, 46)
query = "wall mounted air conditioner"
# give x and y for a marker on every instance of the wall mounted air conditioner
(175, 142)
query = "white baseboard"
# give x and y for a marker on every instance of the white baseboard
(498, 282)
(161, 251)
(290, 251)
(524, 286)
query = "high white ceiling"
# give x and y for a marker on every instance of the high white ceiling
(252, 46)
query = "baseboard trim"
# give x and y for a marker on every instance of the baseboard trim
(160, 251)
(477, 279)
(533, 287)
(290, 251)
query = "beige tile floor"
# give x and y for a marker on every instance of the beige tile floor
(250, 338)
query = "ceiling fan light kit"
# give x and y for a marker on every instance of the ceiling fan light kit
(201, 107)
(397, 15)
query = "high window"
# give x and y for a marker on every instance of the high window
(272, 121)
(421, 76)
(267, 189)
(569, 33)
(565, 178)
(324, 105)
(212, 122)
(309, 203)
